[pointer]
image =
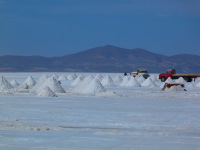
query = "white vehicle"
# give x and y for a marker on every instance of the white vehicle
(142, 72)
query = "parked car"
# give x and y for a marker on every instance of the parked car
(142, 72)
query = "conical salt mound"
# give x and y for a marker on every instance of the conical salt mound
(53, 84)
(117, 79)
(191, 85)
(62, 78)
(94, 87)
(71, 77)
(153, 78)
(77, 81)
(107, 81)
(55, 76)
(90, 76)
(46, 92)
(24, 86)
(14, 83)
(169, 80)
(99, 77)
(153, 85)
(30, 81)
(180, 80)
(82, 76)
(133, 82)
(148, 83)
(125, 81)
(79, 88)
(5, 86)
(42, 79)
(197, 79)
(141, 79)
(198, 85)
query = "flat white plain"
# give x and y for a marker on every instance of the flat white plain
(138, 118)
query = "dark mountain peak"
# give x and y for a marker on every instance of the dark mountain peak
(103, 51)
(140, 50)
(111, 47)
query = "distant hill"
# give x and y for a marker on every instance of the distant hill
(103, 59)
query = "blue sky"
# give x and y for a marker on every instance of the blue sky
(61, 27)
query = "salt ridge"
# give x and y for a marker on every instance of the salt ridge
(30, 81)
(94, 87)
(125, 81)
(46, 92)
(117, 79)
(5, 86)
(133, 82)
(148, 83)
(107, 81)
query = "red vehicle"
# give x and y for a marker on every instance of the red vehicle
(172, 74)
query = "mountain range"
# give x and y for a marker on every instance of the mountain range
(106, 58)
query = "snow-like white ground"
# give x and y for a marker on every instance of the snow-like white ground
(132, 118)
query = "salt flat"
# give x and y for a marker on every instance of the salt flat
(138, 118)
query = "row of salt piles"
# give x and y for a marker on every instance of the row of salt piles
(77, 80)
(140, 81)
(47, 86)
(70, 77)
(73, 77)
(89, 85)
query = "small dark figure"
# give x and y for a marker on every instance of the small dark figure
(125, 74)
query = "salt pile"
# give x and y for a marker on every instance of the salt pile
(90, 76)
(99, 77)
(5, 86)
(153, 78)
(169, 80)
(71, 77)
(82, 76)
(14, 83)
(62, 78)
(153, 85)
(42, 79)
(80, 87)
(148, 83)
(53, 84)
(93, 87)
(141, 79)
(30, 81)
(133, 82)
(24, 86)
(107, 81)
(197, 79)
(175, 88)
(191, 85)
(77, 80)
(180, 80)
(117, 79)
(55, 76)
(46, 92)
(198, 85)
(125, 81)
